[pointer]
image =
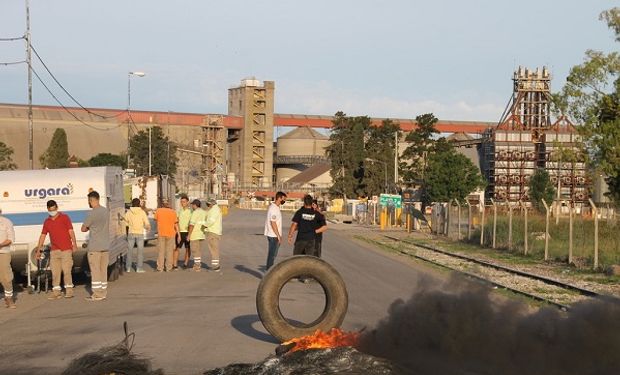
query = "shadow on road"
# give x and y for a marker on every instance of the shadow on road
(244, 324)
(244, 269)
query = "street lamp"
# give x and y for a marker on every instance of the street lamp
(384, 168)
(137, 74)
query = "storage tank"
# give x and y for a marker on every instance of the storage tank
(297, 150)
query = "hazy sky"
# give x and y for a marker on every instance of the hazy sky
(378, 58)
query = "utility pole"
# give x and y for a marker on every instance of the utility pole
(29, 59)
(396, 160)
(150, 153)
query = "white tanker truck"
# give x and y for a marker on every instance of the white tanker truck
(23, 197)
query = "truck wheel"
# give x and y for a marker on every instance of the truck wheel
(268, 297)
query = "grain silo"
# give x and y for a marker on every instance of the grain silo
(297, 150)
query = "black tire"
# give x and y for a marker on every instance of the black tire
(268, 297)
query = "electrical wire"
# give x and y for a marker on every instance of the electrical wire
(67, 109)
(12, 39)
(13, 62)
(67, 92)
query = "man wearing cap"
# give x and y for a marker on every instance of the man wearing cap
(167, 231)
(7, 237)
(196, 234)
(63, 244)
(213, 229)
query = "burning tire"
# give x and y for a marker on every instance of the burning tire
(268, 297)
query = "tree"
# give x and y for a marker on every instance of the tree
(541, 188)
(591, 97)
(421, 145)
(57, 154)
(6, 158)
(346, 152)
(380, 147)
(450, 175)
(163, 153)
(107, 159)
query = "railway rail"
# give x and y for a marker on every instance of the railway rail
(537, 287)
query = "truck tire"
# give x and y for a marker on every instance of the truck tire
(268, 297)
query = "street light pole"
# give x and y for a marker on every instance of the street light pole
(30, 117)
(138, 74)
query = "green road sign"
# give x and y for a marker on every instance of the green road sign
(391, 200)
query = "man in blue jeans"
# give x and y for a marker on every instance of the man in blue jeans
(273, 228)
(136, 221)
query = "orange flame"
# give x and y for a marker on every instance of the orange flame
(322, 340)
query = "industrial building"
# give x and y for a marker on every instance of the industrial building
(217, 153)
(526, 139)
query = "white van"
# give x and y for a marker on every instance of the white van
(23, 198)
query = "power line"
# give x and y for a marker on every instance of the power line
(12, 39)
(67, 92)
(13, 62)
(67, 109)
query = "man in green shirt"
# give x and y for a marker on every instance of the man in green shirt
(184, 214)
(195, 233)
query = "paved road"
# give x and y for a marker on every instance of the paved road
(188, 322)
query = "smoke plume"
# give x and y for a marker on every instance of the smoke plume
(459, 327)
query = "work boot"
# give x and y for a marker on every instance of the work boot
(68, 292)
(197, 267)
(9, 303)
(56, 294)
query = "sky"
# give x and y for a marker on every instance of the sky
(391, 58)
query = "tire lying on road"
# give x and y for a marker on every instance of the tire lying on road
(268, 297)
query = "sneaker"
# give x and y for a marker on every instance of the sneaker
(185, 266)
(175, 268)
(9, 303)
(55, 295)
(216, 269)
(196, 269)
(160, 270)
(140, 270)
(69, 293)
(128, 270)
(93, 298)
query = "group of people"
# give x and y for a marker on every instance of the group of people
(191, 228)
(309, 223)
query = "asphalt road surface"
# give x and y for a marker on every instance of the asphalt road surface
(188, 322)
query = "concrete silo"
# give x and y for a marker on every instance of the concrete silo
(297, 150)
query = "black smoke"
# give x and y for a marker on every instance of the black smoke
(460, 327)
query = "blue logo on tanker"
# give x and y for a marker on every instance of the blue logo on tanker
(43, 193)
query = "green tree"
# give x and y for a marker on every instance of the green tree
(107, 159)
(163, 153)
(379, 159)
(541, 188)
(346, 152)
(6, 158)
(422, 144)
(591, 98)
(57, 154)
(450, 175)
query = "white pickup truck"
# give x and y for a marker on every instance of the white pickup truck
(23, 197)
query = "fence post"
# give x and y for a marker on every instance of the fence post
(482, 223)
(570, 233)
(595, 214)
(546, 229)
(494, 221)
(468, 219)
(509, 226)
(525, 242)
(458, 220)
(446, 222)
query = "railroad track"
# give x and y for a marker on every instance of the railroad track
(540, 288)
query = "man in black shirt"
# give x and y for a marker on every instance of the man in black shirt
(307, 222)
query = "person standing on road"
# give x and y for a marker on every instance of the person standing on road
(167, 229)
(98, 224)
(318, 241)
(213, 230)
(273, 228)
(137, 222)
(307, 224)
(196, 234)
(63, 244)
(184, 214)
(7, 237)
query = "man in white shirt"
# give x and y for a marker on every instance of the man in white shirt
(7, 237)
(273, 228)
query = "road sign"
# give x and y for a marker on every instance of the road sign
(390, 200)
